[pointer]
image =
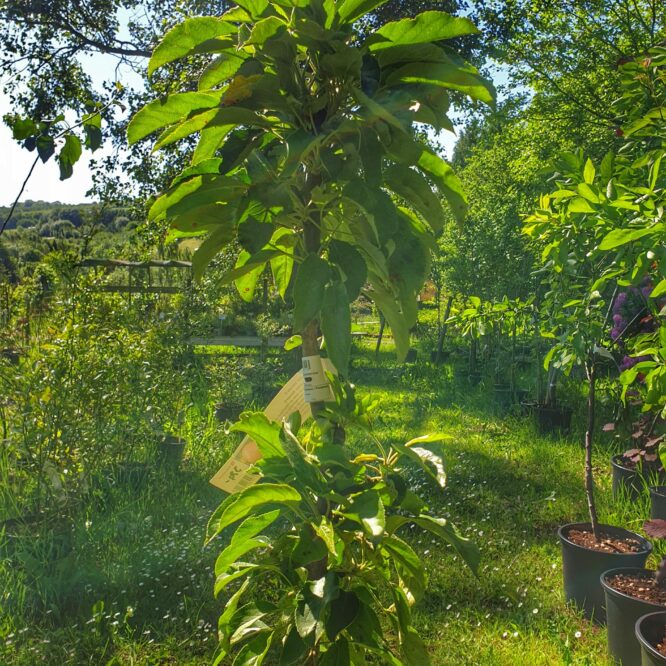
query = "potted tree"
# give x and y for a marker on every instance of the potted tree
(578, 315)
(307, 157)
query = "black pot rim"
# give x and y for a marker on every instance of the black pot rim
(643, 641)
(564, 529)
(658, 490)
(629, 571)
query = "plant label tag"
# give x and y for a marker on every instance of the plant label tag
(315, 383)
(236, 474)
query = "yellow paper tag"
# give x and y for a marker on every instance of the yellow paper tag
(235, 474)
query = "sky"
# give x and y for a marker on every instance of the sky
(45, 183)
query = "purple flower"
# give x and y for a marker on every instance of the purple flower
(617, 318)
(620, 300)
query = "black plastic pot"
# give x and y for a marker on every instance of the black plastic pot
(622, 613)
(631, 481)
(658, 502)
(581, 568)
(552, 419)
(171, 451)
(649, 633)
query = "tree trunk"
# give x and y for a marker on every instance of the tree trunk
(442, 332)
(589, 478)
(382, 323)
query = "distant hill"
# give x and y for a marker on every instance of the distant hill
(55, 219)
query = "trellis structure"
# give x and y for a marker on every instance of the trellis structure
(133, 285)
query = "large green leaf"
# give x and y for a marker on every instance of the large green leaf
(221, 69)
(446, 76)
(427, 27)
(367, 509)
(352, 264)
(414, 189)
(282, 265)
(407, 564)
(413, 648)
(351, 10)
(194, 35)
(169, 110)
(219, 237)
(336, 325)
(619, 237)
(194, 124)
(466, 548)
(234, 551)
(195, 192)
(376, 111)
(447, 182)
(246, 283)
(311, 278)
(255, 496)
(343, 612)
(387, 304)
(265, 29)
(264, 432)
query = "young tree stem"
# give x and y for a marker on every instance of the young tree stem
(589, 478)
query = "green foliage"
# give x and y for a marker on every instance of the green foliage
(318, 589)
(314, 137)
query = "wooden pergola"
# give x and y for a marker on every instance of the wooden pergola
(133, 286)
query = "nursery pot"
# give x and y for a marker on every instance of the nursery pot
(658, 502)
(650, 632)
(503, 396)
(171, 450)
(581, 567)
(629, 480)
(552, 419)
(622, 614)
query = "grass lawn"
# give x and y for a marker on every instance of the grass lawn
(127, 580)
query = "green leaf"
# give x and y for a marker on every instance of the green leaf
(343, 612)
(386, 302)
(197, 191)
(336, 325)
(431, 26)
(446, 76)
(367, 509)
(255, 496)
(352, 264)
(466, 548)
(413, 648)
(212, 244)
(376, 110)
(252, 526)
(260, 259)
(619, 237)
(351, 10)
(407, 564)
(414, 189)
(192, 36)
(293, 342)
(589, 172)
(69, 155)
(580, 205)
(337, 654)
(196, 123)
(45, 147)
(255, 650)
(265, 433)
(234, 551)
(265, 29)
(253, 235)
(255, 8)
(169, 110)
(659, 290)
(221, 69)
(309, 284)
(447, 182)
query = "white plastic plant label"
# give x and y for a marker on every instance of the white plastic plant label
(315, 383)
